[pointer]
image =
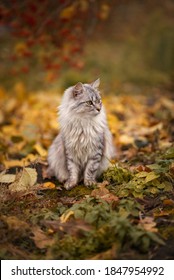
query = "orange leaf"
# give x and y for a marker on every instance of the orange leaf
(49, 185)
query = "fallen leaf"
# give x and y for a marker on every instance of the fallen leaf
(151, 176)
(14, 223)
(13, 163)
(32, 174)
(103, 193)
(41, 151)
(7, 178)
(49, 185)
(137, 194)
(99, 192)
(65, 216)
(143, 168)
(160, 213)
(168, 202)
(148, 224)
(142, 174)
(25, 179)
(169, 153)
(168, 186)
(153, 190)
(41, 239)
(125, 139)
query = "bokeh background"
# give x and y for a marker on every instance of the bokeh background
(53, 44)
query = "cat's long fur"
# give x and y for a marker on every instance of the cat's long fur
(83, 147)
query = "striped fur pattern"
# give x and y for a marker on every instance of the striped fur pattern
(83, 148)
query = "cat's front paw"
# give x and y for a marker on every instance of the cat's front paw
(89, 183)
(69, 184)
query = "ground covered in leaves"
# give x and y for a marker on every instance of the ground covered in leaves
(129, 214)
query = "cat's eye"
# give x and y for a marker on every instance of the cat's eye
(89, 102)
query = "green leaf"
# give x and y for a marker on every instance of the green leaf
(155, 238)
(154, 166)
(123, 192)
(153, 190)
(91, 217)
(79, 214)
(137, 194)
(139, 187)
(123, 212)
(161, 186)
(145, 243)
(168, 186)
(169, 153)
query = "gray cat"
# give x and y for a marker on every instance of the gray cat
(83, 148)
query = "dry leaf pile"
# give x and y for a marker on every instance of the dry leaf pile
(128, 214)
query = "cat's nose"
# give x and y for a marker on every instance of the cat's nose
(98, 107)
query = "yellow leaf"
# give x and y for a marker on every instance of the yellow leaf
(25, 179)
(49, 185)
(7, 178)
(14, 162)
(23, 162)
(66, 216)
(31, 157)
(10, 130)
(32, 174)
(41, 151)
(126, 139)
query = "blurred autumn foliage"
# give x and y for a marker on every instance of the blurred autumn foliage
(42, 41)
(50, 33)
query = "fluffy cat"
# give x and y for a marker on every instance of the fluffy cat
(83, 148)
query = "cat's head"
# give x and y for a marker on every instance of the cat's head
(87, 98)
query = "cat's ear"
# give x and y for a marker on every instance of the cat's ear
(78, 89)
(96, 84)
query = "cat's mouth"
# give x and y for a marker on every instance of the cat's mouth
(96, 112)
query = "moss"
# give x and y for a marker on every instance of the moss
(117, 175)
(78, 191)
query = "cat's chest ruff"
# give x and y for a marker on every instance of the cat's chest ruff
(83, 135)
(82, 138)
